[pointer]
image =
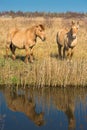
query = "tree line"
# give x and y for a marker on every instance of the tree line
(42, 14)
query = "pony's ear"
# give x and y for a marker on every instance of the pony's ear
(42, 26)
(78, 23)
(73, 22)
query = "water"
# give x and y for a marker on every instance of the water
(43, 109)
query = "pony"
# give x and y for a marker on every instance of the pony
(67, 40)
(24, 39)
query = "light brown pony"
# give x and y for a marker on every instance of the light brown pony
(24, 39)
(67, 41)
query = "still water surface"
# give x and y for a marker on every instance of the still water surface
(43, 109)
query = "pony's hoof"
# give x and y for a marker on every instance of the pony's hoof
(31, 61)
(13, 57)
(26, 61)
(5, 56)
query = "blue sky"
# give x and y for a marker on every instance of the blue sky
(44, 5)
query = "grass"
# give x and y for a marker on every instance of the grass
(47, 69)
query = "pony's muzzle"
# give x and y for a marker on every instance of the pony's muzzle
(74, 36)
(44, 38)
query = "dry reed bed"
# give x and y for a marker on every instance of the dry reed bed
(47, 69)
(49, 72)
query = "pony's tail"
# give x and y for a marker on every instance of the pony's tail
(57, 38)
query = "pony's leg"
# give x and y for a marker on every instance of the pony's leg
(64, 52)
(13, 48)
(27, 55)
(59, 50)
(72, 52)
(68, 53)
(31, 55)
(7, 49)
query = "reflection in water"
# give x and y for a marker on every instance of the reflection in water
(51, 108)
(21, 101)
(71, 119)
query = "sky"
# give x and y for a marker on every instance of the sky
(44, 5)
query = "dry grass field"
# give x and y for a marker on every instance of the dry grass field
(47, 69)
